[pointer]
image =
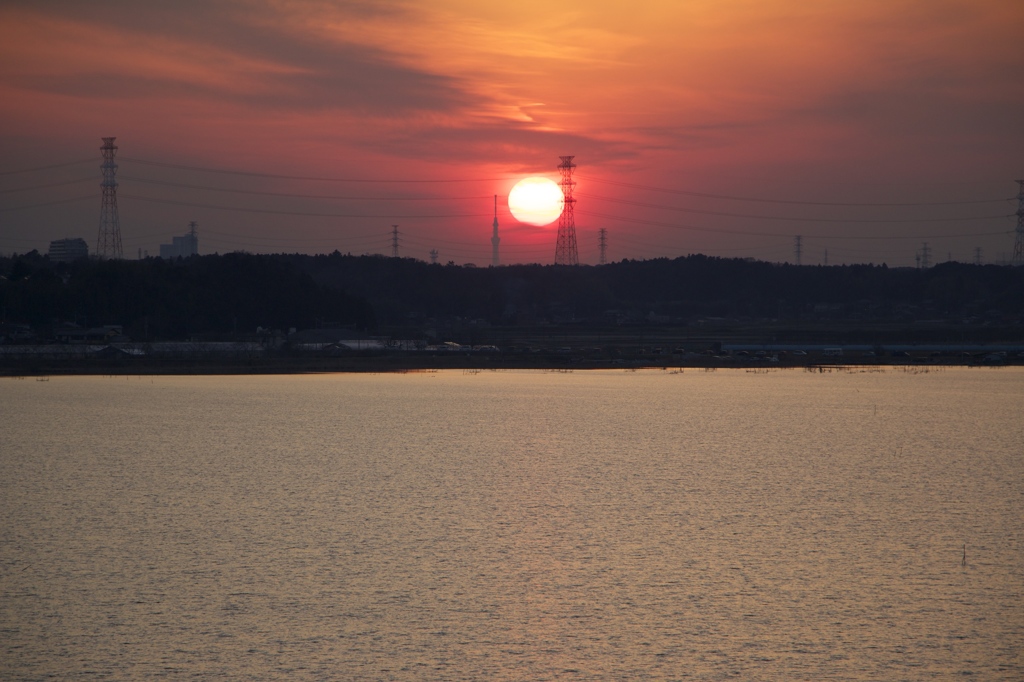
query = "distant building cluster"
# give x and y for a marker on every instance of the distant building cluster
(182, 247)
(67, 250)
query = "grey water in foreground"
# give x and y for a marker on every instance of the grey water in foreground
(775, 525)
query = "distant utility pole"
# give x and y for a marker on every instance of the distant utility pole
(797, 247)
(433, 256)
(394, 241)
(977, 255)
(1018, 244)
(926, 254)
(565, 245)
(108, 243)
(602, 240)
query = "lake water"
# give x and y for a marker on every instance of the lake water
(782, 525)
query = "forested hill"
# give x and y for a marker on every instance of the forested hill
(693, 286)
(239, 292)
(158, 299)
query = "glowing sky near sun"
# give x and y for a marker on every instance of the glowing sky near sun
(876, 101)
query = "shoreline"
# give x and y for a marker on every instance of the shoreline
(401, 364)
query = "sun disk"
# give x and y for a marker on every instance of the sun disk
(536, 201)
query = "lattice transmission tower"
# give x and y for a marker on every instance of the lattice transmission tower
(565, 247)
(394, 241)
(602, 241)
(108, 243)
(1018, 244)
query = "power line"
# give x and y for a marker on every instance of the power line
(599, 198)
(297, 196)
(848, 250)
(666, 250)
(680, 209)
(482, 253)
(668, 190)
(225, 171)
(473, 248)
(677, 226)
(626, 239)
(369, 238)
(42, 168)
(298, 213)
(648, 247)
(831, 239)
(49, 203)
(48, 185)
(432, 241)
(426, 241)
(732, 197)
(147, 237)
(16, 240)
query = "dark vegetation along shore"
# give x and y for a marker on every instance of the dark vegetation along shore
(283, 313)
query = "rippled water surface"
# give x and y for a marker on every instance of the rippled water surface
(515, 525)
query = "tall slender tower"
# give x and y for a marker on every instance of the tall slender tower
(926, 256)
(1018, 244)
(495, 239)
(394, 241)
(565, 247)
(108, 243)
(798, 248)
(602, 241)
(193, 239)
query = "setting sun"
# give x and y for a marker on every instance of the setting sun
(536, 201)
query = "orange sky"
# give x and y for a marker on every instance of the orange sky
(833, 101)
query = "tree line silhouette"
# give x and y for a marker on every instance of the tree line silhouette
(238, 292)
